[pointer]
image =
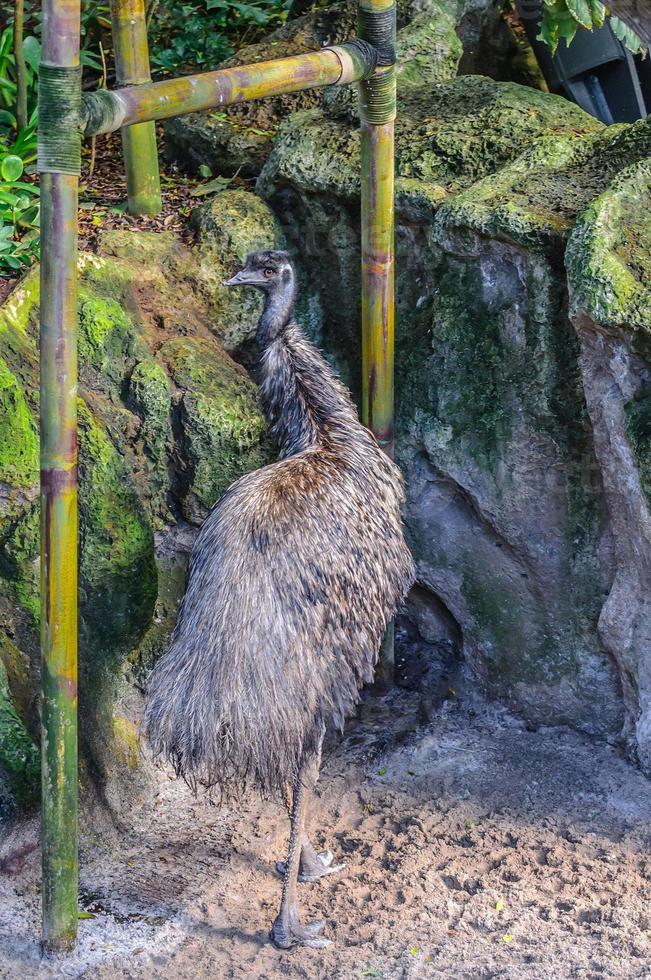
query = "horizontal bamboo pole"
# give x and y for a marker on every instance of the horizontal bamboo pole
(104, 112)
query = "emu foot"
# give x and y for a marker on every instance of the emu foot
(287, 931)
(313, 865)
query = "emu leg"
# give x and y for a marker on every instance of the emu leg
(313, 864)
(287, 930)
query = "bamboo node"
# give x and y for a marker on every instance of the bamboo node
(59, 111)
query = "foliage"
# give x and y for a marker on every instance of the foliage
(32, 53)
(563, 18)
(202, 33)
(19, 200)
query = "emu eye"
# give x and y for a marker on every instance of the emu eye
(268, 272)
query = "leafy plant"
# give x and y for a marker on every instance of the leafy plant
(202, 33)
(19, 214)
(19, 198)
(563, 18)
(8, 86)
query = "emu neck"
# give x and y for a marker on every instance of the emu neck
(304, 401)
(278, 310)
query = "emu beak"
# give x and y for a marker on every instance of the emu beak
(245, 277)
(236, 280)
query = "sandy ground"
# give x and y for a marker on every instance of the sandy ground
(474, 849)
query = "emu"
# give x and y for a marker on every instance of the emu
(293, 579)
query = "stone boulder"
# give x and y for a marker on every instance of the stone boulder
(167, 420)
(522, 378)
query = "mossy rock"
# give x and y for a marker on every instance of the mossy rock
(230, 226)
(150, 397)
(491, 423)
(448, 136)
(19, 452)
(608, 254)
(536, 200)
(117, 566)
(166, 422)
(19, 756)
(222, 426)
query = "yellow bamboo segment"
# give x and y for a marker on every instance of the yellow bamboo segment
(378, 281)
(59, 164)
(377, 109)
(138, 142)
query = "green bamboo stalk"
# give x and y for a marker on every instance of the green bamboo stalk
(139, 141)
(105, 111)
(377, 105)
(21, 67)
(58, 357)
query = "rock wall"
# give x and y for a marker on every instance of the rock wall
(167, 421)
(522, 400)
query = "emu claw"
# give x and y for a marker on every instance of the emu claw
(311, 871)
(290, 933)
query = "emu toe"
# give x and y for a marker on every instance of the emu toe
(287, 932)
(313, 865)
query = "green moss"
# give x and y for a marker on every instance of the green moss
(638, 428)
(150, 395)
(19, 757)
(608, 255)
(22, 304)
(230, 226)
(222, 426)
(108, 340)
(428, 50)
(536, 198)
(448, 135)
(235, 223)
(19, 448)
(126, 741)
(117, 566)
(19, 561)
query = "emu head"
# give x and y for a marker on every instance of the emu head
(270, 271)
(273, 273)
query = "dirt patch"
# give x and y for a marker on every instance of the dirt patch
(474, 849)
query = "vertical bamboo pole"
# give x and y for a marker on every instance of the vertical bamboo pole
(138, 141)
(59, 157)
(377, 106)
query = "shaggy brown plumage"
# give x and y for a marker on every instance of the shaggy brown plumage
(293, 579)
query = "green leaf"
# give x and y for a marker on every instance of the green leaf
(549, 32)
(11, 167)
(85, 915)
(205, 170)
(598, 12)
(580, 11)
(32, 52)
(567, 28)
(628, 37)
(212, 187)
